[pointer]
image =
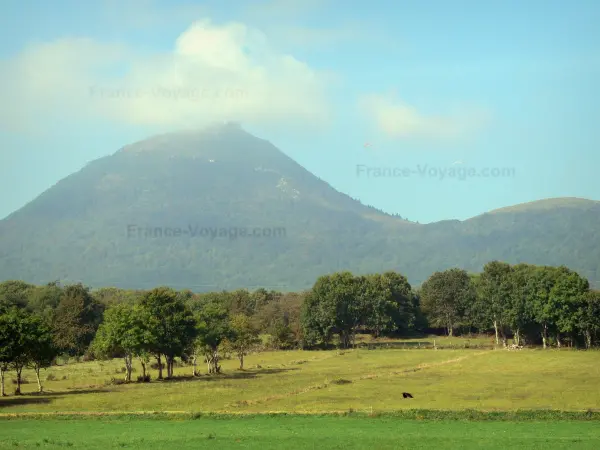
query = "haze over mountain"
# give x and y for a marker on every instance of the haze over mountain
(214, 184)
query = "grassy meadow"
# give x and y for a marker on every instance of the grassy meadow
(460, 375)
(326, 381)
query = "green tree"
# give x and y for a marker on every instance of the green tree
(171, 323)
(124, 333)
(519, 312)
(588, 317)
(76, 319)
(109, 296)
(261, 297)
(543, 309)
(566, 295)
(40, 347)
(16, 322)
(14, 293)
(244, 336)
(242, 302)
(44, 300)
(399, 305)
(338, 306)
(213, 326)
(314, 328)
(494, 294)
(444, 297)
(281, 335)
(9, 345)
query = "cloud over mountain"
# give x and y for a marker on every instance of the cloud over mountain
(214, 72)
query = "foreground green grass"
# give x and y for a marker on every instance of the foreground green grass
(321, 381)
(295, 433)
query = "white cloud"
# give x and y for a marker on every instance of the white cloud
(398, 120)
(214, 73)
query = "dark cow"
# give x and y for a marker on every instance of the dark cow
(406, 395)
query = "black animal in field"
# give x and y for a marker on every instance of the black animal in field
(406, 395)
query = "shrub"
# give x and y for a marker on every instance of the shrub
(143, 379)
(115, 381)
(341, 381)
(51, 377)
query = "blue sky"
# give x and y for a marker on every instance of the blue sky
(479, 85)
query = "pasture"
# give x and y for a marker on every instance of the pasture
(326, 381)
(364, 384)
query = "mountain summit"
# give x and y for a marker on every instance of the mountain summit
(222, 209)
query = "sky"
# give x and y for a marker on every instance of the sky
(433, 110)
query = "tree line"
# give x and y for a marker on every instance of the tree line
(533, 304)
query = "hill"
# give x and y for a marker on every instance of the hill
(173, 210)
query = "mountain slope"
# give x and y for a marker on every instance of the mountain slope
(224, 180)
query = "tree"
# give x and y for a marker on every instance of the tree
(544, 310)
(281, 335)
(124, 333)
(14, 293)
(44, 300)
(314, 328)
(40, 347)
(244, 336)
(444, 297)
(212, 328)
(336, 306)
(494, 292)
(109, 296)
(588, 317)
(171, 323)
(8, 343)
(387, 302)
(400, 305)
(519, 312)
(76, 319)
(261, 297)
(242, 302)
(566, 295)
(16, 325)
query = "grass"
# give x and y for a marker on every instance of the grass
(322, 381)
(295, 433)
(466, 395)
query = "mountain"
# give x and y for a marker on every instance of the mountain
(103, 224)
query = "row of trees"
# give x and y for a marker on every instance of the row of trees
(162, 325)
(524, 301)
(345, 304)
(533, 303)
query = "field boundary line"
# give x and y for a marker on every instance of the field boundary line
(521, 415)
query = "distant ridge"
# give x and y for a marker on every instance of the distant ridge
(560, 202)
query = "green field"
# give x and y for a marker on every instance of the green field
(296, 433)
(368, 382)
